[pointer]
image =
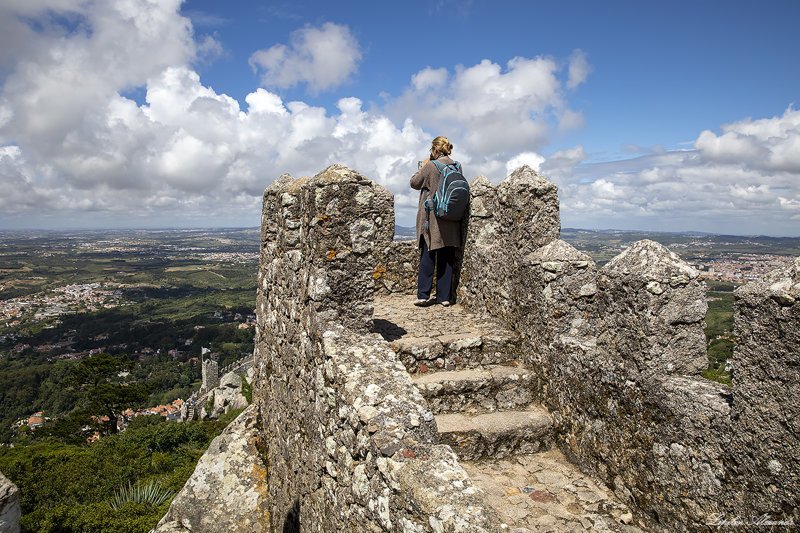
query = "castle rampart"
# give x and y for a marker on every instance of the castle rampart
(350, 441)
(614, 354)
(620, 352)
(9, 506)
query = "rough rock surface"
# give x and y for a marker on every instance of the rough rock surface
(9, 506)
(227, 491)
(498, 434)
(766, 382)
(442, 338)
(545, 492)
(351, 443)
(618, 374)
(654, 310)
(560, 295)
(396, 271)
(507, 222)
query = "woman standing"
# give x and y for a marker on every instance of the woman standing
(436, 238)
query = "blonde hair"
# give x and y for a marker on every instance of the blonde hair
(440, 146)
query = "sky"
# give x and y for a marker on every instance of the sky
(664, 116)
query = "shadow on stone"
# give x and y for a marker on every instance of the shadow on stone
(387, 329)
(292, 522)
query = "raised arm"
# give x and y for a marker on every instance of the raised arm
(418, 179)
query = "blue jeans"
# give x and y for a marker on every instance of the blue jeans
(444, 272)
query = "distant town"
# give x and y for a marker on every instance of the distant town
(739, 269)
(59, 301)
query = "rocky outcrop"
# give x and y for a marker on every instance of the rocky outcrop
(9, 506)
(227, 491)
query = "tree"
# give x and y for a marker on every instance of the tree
(103, 384)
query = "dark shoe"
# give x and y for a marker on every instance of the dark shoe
(445, 303)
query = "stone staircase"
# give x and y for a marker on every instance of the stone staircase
(471, 372)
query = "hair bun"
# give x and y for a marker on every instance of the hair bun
(441, 146)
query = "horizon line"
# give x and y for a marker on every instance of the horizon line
(222, 228)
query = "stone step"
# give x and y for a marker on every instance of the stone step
(498, 434)
(435, 338)
(545, 492)
(474, 390)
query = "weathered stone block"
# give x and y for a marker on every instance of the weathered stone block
(653, 306)
(765, 458)
(397, 268)
(228, 489)
(556, 298)
(506, 223)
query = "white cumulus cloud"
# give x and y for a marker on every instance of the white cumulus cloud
(72, 143)
(489, 111)
(323, 58)
(745, 179)
(532, 159)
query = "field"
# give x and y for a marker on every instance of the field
(155, 298)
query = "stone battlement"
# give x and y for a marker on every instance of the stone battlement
(584, 382)
(617, 354)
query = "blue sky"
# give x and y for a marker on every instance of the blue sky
(647, 115)
(661, 71)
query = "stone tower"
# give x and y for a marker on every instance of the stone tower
(210, 371)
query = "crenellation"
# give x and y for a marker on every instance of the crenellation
(765, 456)
(597, 369)
(653, 307)
(507, 222)
(560, 297)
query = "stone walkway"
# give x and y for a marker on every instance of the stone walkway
(472, 373)
(441, 338)
(545, 492)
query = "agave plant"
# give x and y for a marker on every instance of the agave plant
(150, 493)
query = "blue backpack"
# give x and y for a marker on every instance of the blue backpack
(451, 199)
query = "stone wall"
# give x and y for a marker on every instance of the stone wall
(9, 506)
(349, 439)
(620, 351)
(622, 380)
(507, 222)
(764, 456)
(398, 264)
